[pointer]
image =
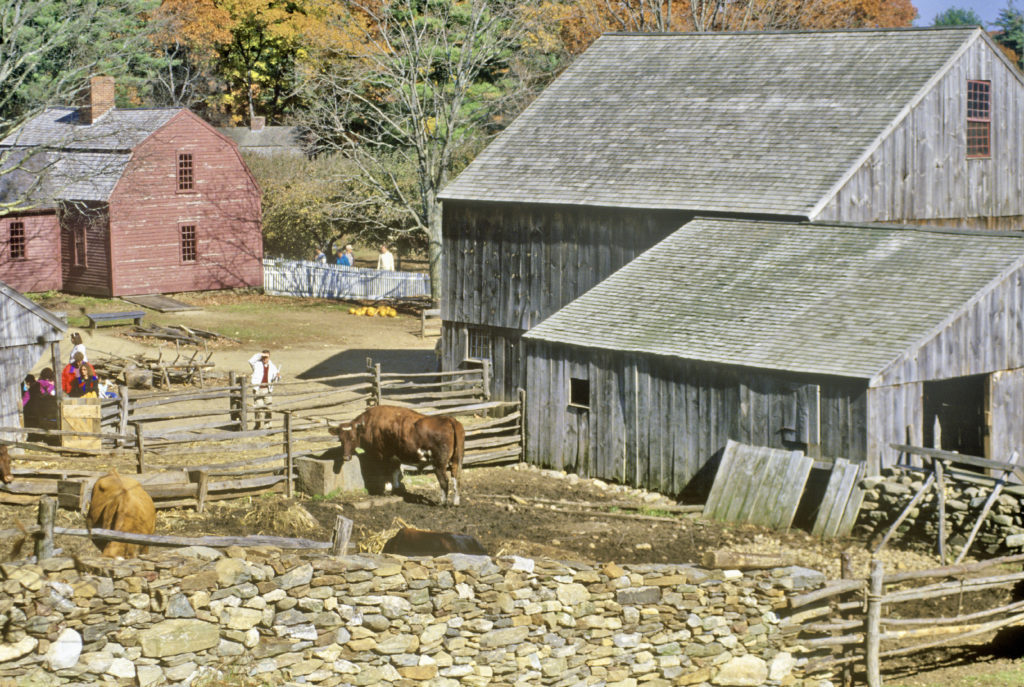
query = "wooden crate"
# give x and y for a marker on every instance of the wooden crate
(81, 415)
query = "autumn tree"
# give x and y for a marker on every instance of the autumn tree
(419, 89)
(591, 18)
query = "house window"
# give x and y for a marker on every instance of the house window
(186, 176)
(188, 242)
(579, 392)
(979, 118)
(479, 345)
(17, 243)
(78, 247)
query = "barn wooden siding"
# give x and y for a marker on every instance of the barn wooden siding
(985, 337)
(507, 363)
(509, 266)
(662, 423)
(921, 170)
(147, 209)
(94, 277)
(40, 268)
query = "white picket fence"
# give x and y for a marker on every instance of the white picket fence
(317, 280)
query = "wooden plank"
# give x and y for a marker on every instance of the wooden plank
(744, 482)
(721, 484)
(853, 504)
(770, 485)
(797, 472)
(830, 497)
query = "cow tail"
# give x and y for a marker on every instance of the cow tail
(459, 449)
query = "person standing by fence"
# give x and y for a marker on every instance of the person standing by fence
(347, 259)
(264, 374)
(386, 261)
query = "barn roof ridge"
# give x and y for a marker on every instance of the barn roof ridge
(825, 298)
(883, 226)
(780, 32)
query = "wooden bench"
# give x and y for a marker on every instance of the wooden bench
(97, 317)
(432, 313)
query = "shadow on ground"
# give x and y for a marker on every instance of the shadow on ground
(354, 360)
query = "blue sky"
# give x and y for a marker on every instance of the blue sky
(986, 9)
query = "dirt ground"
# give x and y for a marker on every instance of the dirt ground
(511, 510)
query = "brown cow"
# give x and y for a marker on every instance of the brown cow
(390, 436)
(5, 465)
(412, 542)
(120, 503)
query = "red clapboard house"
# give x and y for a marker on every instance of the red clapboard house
(127, 202)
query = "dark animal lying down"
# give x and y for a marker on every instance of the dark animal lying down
(413, 542)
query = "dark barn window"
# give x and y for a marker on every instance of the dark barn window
(478, 345)
(579, 392)
(188, 243)
(186, 176)
(979, 119)
(17, 241)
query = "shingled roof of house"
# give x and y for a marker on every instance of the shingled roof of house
(762, 123)
(78, 161)
(832, 299)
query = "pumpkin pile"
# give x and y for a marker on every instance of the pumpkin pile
(368, 311)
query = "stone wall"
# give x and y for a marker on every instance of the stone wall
(179, 617)
(887, 495)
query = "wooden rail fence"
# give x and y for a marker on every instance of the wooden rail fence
(856, 622)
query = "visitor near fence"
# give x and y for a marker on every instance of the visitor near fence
(264, 374)
(320, 257)
(79, 378)
(47, 381)
(347, 259)
(386, 260)
(78, 346)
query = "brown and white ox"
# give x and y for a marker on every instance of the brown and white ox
(120, 503)
(5, 465)
(390, 435)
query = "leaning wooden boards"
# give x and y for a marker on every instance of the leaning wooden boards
(759, 485)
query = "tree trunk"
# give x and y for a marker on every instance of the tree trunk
(434, 248)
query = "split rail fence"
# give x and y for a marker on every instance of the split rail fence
(187, 457)
(859, 622)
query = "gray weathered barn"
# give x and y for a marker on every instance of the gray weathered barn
(837, 339)
(644, 132)
(27, 333)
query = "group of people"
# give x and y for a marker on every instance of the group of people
(385, 261)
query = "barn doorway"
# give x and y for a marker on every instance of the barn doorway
(960, 404)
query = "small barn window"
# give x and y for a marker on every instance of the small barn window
(979, 119)
(478, 346)
(186, 176)
(579, 392)
(188, 243)
(17, 243)
(78, 247)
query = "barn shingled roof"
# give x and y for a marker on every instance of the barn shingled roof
(738, 122)
(81, 162)
(820, 298)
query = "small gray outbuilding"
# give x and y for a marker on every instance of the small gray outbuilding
(838, 339)
(27, 332)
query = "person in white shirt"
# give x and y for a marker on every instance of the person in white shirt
(264, 374)
(386, 261)
(78, 347)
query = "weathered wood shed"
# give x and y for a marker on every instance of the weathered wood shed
(644, 132)
(27, 333)
(147, 201)
(834, 339)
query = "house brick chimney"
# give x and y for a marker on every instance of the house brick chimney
(101, 99)
(257, 123)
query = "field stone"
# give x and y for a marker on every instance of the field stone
(65, 650)
(11, 652)
(121, 667)
(178, 636)
(232, 571)
(296, 577)
(742, 671)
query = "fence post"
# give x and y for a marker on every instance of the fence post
(873, 625)
(342, 533)
(521, 395)
(139, 446)
(47, 514)
(289, 458)
(232, 398)
(485, 371)
(243, 406)
(940, 485)
(122, 423)
(846, 567)
(375, 371)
